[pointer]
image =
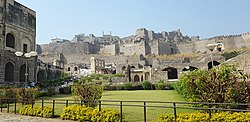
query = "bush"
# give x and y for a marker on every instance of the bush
(146, 85)
(160, 85)
(51, 91)
(229, 55)
(170, 86)
(204, 117)
(220, 85)
(113, 87)
(36, 111)
(27, 94)
(65, 90)
(82, 113)
(41, 94)
(137, 86)
(10, 93)
(90, 93)
(128, 86)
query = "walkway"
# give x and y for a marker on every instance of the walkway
(9, 117)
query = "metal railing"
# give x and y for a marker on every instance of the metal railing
(209, 107)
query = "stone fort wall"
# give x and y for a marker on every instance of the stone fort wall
(76, 47)
(230, 42)
(85, 58)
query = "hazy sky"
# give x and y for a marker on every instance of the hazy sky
(206, 18)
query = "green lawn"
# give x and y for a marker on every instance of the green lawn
(131, 113)
(136, 113)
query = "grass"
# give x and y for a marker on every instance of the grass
(132, 113)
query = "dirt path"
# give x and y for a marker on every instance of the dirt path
(9, 117)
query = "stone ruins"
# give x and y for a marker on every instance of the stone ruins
(146, 55)
(139, 56)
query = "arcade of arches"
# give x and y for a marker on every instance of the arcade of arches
(166, 73)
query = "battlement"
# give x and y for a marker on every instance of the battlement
(225, 36)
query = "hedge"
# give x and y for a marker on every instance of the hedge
(82, 113)
(204, 117)
(38, 111)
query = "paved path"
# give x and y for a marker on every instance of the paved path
(9, 117)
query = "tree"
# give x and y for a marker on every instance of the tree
(222, 84)
(88, 91)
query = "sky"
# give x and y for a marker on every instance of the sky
(205, 18)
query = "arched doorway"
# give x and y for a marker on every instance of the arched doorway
(49, 75)
(10, 40)
(41, 76)
(57, 75)
(22, 73)
(189, 68)
(136, 78)
(171, 72)
(147, 76)
(211, 64)
(124, 69)
(9, 72)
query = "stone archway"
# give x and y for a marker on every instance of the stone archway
(136, 78)
(124, 69)
(171, 72)
(211, 64)
(9, 72)
(57, 74)
(147, 76)
(22, 72)
(41, 76)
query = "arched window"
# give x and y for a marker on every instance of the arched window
(211, 64)
(136, 78)
(9, 72)
(75, 68)
(22, 76)
(10, 40)
(123, 68)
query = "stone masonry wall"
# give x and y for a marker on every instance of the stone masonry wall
(78, 47)
(133, 49)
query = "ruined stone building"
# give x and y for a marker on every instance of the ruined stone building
(136, 56)
(18, 32)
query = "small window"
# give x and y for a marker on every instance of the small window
(25, 48)
(68, 69)
(75, 68)
(172, 51)
(219, 49)
(10, 40)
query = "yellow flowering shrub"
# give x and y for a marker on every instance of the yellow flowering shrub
(82, 113)
(36, 111)
(204, 117)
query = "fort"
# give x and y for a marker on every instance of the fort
(140, 56)
(145, 55)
